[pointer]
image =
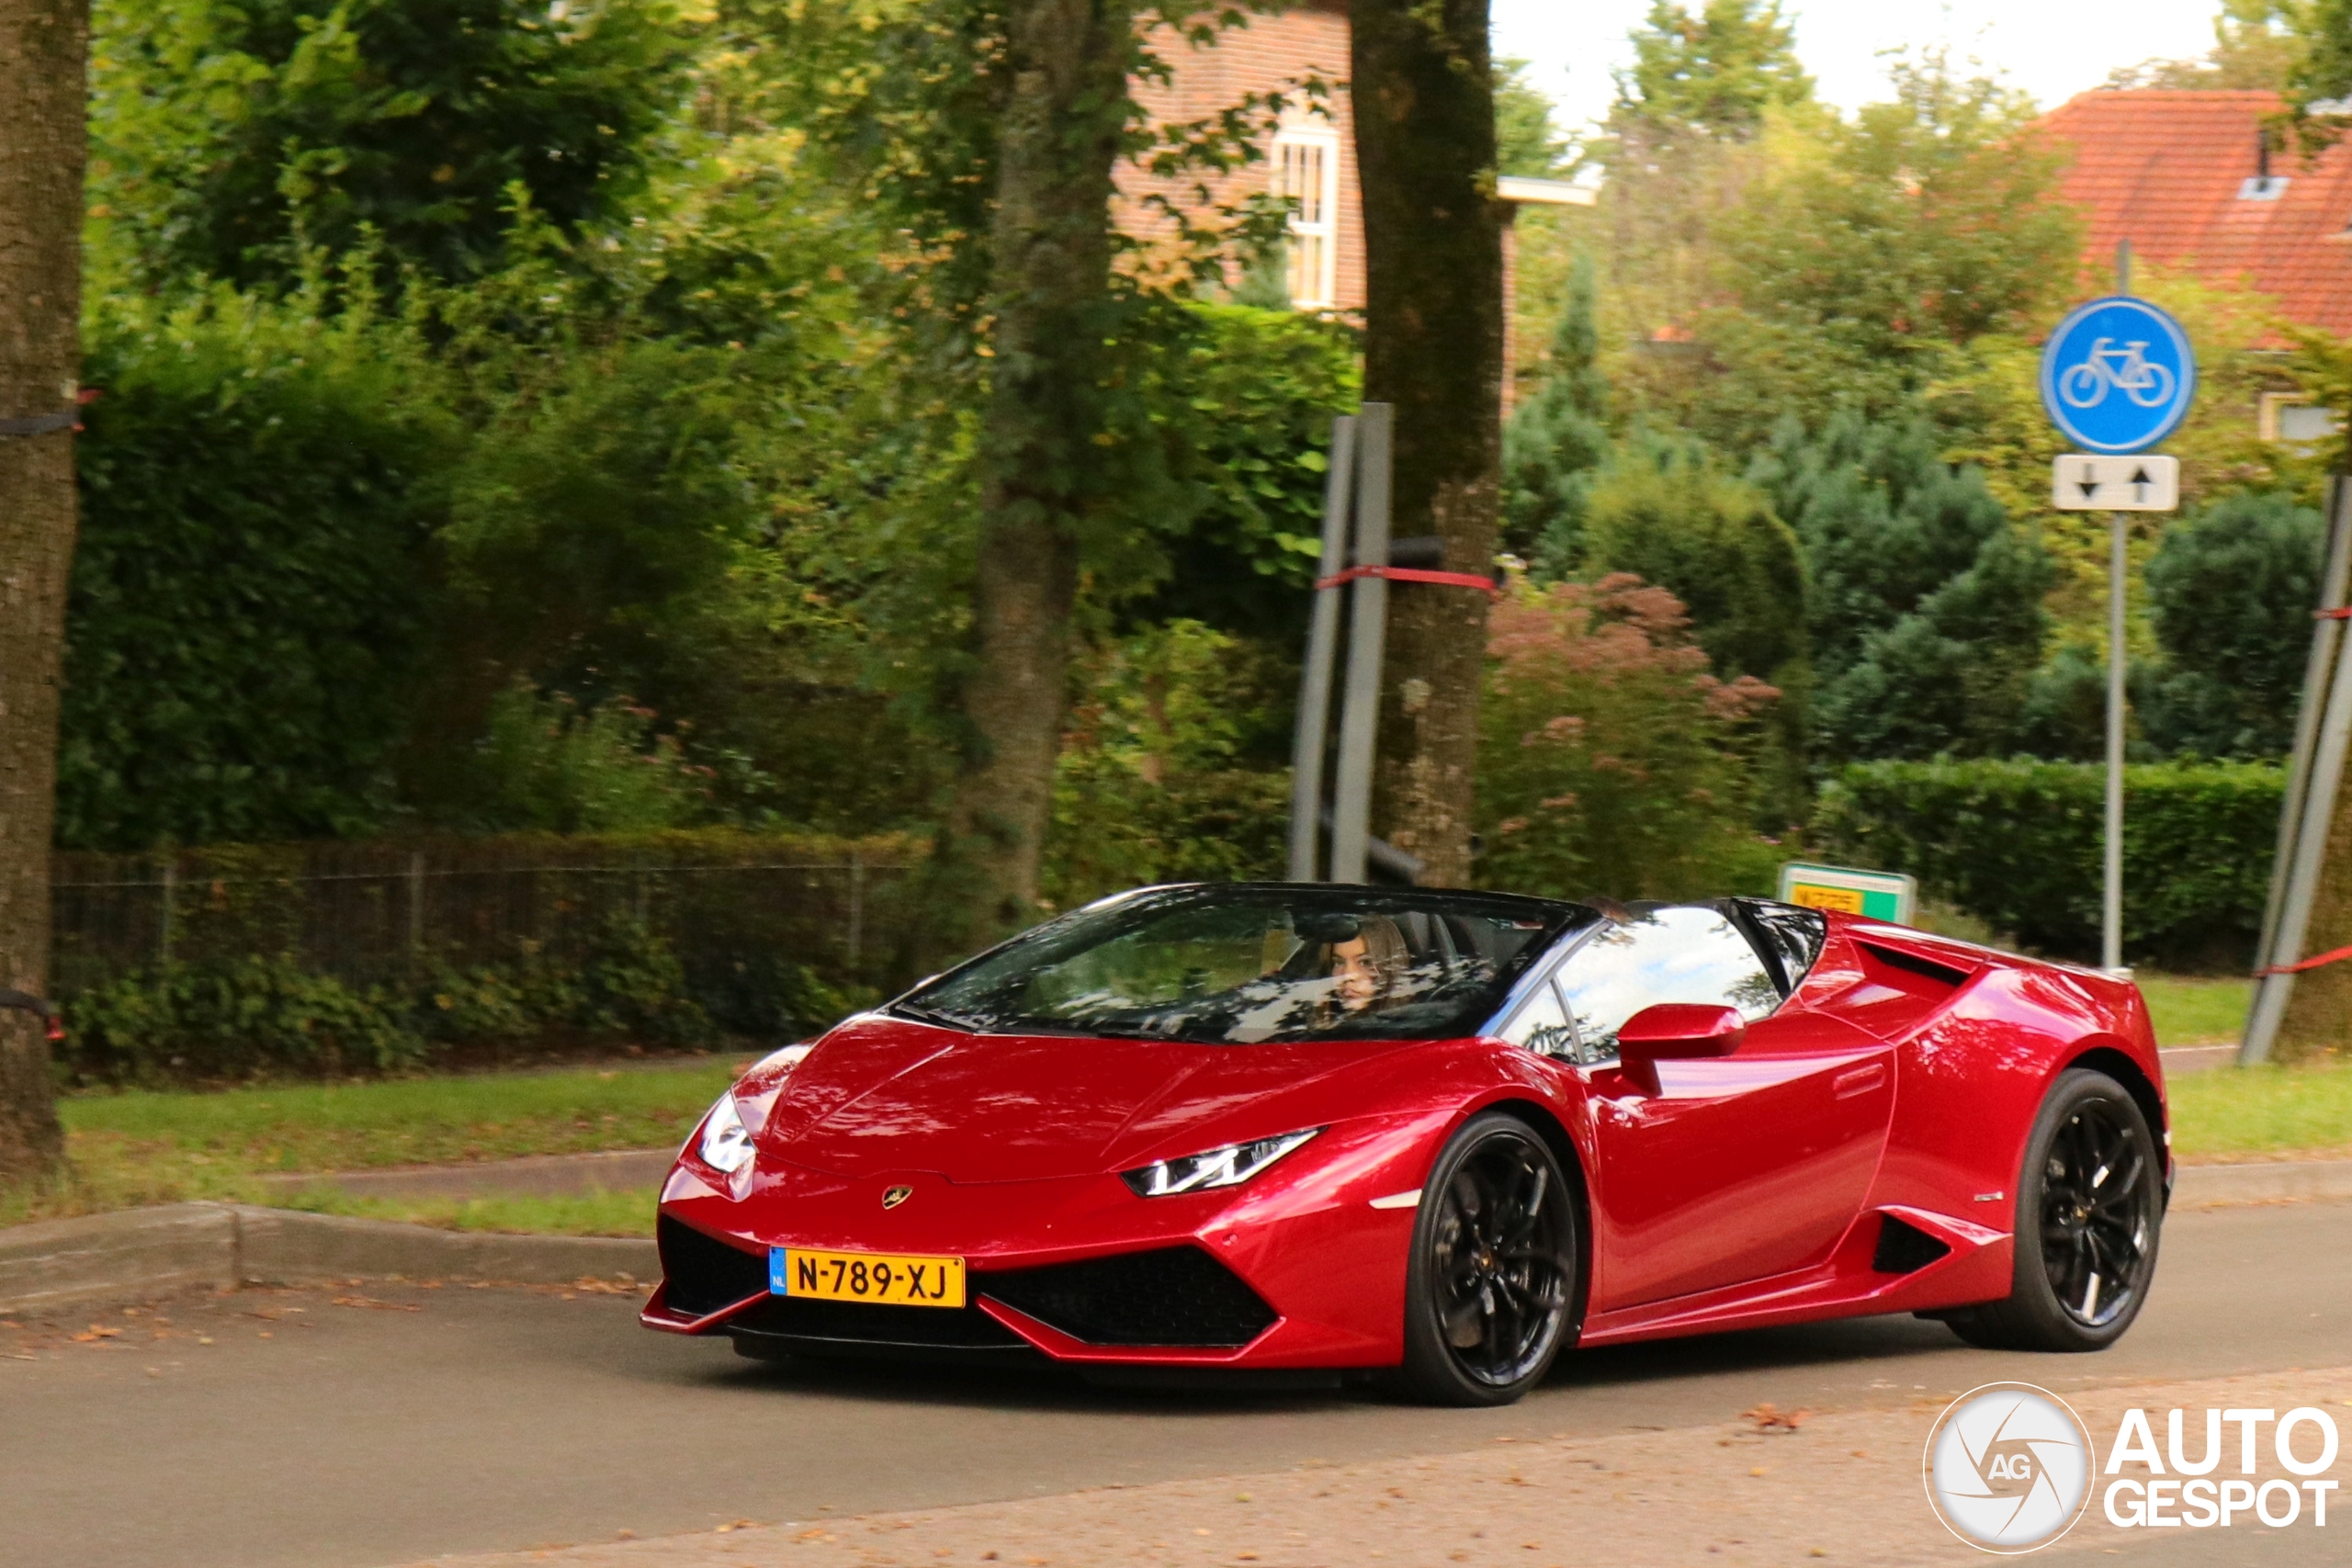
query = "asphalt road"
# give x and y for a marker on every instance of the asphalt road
(355, 1436)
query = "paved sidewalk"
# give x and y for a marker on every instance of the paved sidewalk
(1844, 1487)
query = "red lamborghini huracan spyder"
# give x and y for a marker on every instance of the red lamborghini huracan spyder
(1308, 1129)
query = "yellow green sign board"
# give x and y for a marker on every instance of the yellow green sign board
(1877, 895)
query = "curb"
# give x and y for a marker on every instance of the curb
(2209, 1186)
(147, 1252)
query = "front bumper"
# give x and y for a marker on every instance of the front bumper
(1300, 1272)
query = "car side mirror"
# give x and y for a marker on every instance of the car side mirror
(1675, 1031)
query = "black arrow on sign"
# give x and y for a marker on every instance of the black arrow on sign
(2088, 483)
(2140, 483)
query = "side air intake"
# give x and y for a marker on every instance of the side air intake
(1904, 1248)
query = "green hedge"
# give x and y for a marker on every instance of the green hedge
(240, 962)
(2017, 845)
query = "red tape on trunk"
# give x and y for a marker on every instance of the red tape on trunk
(2335, 957)
(1411, 574)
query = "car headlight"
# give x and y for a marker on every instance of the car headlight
(1229, 1166)
(726, 1143)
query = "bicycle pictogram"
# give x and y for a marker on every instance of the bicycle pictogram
(2127, 371)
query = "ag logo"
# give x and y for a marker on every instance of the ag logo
(2008, 1467)
(893, 1197)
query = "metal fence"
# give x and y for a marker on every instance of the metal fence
(370, 912)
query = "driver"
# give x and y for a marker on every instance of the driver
(1368, 965)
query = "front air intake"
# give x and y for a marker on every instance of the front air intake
(1177, 1296)
(705, 1275)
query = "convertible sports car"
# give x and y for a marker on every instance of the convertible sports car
(1312, 1130)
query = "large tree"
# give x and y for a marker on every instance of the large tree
(1714, 71)
(1434, 348)
(42, 46)
(1063, 126)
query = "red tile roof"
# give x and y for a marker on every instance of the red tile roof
(2165, 169)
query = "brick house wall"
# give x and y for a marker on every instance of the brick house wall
(1270, 55)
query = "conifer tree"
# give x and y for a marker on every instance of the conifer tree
(1558, 438)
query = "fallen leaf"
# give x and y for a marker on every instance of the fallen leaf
(373, 1303)
(1768, 1418)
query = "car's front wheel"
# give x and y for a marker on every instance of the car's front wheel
(1493, 1275)
(2090, 1207)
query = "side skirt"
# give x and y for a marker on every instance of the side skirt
(1976, 1268)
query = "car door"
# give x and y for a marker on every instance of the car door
(1742, 1166)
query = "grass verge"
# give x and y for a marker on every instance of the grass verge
(139, 1147)
(2196, 1011)
(625, 1212)
(2257, 1113)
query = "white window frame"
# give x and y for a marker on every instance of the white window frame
(1312, 265)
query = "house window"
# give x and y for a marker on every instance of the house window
(1307, 172)
(2288, 420)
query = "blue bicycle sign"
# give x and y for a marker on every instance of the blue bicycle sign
(2117, 375)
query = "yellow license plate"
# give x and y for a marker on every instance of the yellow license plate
(885, 1277)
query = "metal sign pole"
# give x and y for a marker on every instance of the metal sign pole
(2111, 898)
(1367, 631)
(2110, 930)
(1322, 654)
(2117, 404)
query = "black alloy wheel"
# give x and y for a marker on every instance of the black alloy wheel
(1493, 1276)
(2089, 1208)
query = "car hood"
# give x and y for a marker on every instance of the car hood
(884, 1095)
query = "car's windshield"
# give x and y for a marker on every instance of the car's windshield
(1242, 964)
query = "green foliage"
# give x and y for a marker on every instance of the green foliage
(1667, 511)
(1716, 72)
(1526, 141)
(239, 1018)
(2019, 845)
(1609, 760)
(1926, 615)
(591, 505)
(230, 140)
(2226, 590)
(547, 764)
(248, 618)
(2321, 69)
(258, 1016)
(1863, 254)
(2254, 47)
(1245, 403)
(1557, 438)
(1151, 785)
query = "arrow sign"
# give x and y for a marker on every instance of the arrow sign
(2079, 482)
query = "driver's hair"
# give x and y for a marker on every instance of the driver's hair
(1385, 950)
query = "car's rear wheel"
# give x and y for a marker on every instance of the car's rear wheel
(2089, 1208)
(1493, 1275)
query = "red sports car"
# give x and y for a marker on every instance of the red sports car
(1308, 1129)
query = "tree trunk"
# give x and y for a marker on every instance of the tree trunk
(42, 47)
(1050, 300)
(1425, 145)
(2318, 1020)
